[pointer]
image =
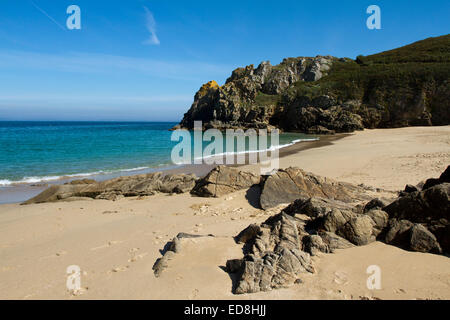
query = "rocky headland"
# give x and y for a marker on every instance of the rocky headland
(408, 86)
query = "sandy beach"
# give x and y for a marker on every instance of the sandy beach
(116, 243)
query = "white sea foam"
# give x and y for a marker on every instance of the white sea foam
(272, 148)
(34, 180)
(5, 182)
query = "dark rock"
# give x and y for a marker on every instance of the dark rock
(273, 271)
(324, 102)
(277, 95)
(82, 181)
(162, 263)
(315, 207)
(375, 204)
(56, 193)
(223, 180)
(380, 218)
(421, 207)
(336, 219)
(334, 241)
(358, 230)
(413, 237)
(290, 184)
(410, 188)
(398, 233)
(246, 99)
(234, 265)
(127, 186)
(313, 244)
(445, 176)
(441, 230)
(422, 240)
(320, 130)
(431, 183)
(248, 233)
(275, 257)
(300, 116)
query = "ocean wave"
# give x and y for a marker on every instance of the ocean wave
(272, 148)
(34, 180)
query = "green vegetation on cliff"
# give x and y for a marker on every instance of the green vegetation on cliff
(401, 87)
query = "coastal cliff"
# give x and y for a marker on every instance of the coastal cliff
(408, 86)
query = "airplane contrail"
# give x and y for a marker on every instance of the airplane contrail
(47, 15)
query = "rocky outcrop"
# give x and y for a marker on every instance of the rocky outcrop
(278, 251)
(127, 186)
(315, 120)
(282, 187)
(290, 184)
(444, 178)
(420, 220)
(275, 258)
(325, 95)
(422, 206)
(223, 180)
(249, 97)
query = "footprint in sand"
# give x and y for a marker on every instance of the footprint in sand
(109, 212)
(61, 253)
(193, 294)
(119, 269)
(340, 277)
(137, 257)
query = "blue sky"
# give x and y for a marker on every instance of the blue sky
(144, 60)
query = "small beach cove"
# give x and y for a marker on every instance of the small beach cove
(117, 242)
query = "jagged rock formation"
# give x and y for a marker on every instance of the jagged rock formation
(324, 94)
(127, 186)
(275, 258)
(278, 251)
(236, 104)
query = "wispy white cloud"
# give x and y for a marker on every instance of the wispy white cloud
(47, 15)
(151, 28)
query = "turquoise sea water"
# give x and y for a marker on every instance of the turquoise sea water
(33, 152)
